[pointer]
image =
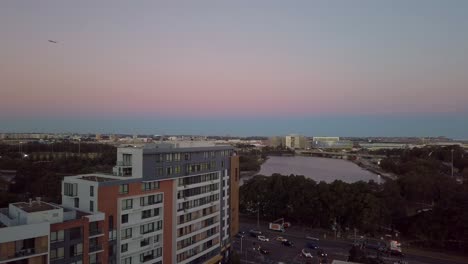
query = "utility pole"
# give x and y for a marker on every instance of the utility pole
(452, 163)
(258, 215)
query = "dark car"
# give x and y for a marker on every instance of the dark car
(312, 245)
(264, 251)
(255, 233)
(288, 243)
(321, 254)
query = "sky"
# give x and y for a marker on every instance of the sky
(347, 68)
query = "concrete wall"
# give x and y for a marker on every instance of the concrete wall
(14, 233)
(83, 195)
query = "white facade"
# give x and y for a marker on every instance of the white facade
(86, 195)
(145, 220)
(296, 142)
(198, 216)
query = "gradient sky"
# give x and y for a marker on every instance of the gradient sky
(357, 68)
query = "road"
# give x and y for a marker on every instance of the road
(336, 249)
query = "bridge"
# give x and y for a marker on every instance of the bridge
(328, 154)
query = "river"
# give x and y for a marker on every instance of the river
(318, 169)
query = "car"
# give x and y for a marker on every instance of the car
(321, 253)
(263, 238)
(255, 233)
(312, 238)
(306, 253)
(323, 261)
(312, 245)
(281, 239)
(288, 243)
(264, 251)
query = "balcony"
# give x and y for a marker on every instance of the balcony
(95, 232)
(23, 253)
(124, 164)
(94, 248)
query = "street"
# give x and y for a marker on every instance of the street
(336, 249)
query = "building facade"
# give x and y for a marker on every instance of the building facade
(296, 141)
(164, 203)
(169, 203)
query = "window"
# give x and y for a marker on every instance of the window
(147, 186)
(70, 189)
(147, 228)
(177, 169)
(147, 256)
(149, 213)
(124, 219)
(127, 204)
(212, 154)
(126, 233)
(158, 158)
(145, 242)
(187, 156)
(123, 189)
(91, 206)
(159, 171)
(57, 253)
(159, 225)
(169, 171)
(222, 164)
(91, 191)
(213, 165)
(124, 248)
(176, 156)
(127, 260)
(76, 250)
(168, 157)
(57, 236)
(77, 202)
(156, 238)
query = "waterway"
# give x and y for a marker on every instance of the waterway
(318, 169)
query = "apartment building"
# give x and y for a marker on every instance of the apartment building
(165, 203)
(36, 232)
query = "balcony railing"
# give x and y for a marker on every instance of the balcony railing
(124, 164)
(94, 248)
(95, 232)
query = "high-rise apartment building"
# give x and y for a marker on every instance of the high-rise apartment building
(294, 141)
(165, 203)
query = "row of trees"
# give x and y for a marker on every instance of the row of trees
(368, 207)
(43, 179)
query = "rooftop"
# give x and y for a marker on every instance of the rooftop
(96, 178)
(35, 206)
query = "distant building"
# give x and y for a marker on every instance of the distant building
(277, 141)
(98, 137)
(325, 142)
(294, 141)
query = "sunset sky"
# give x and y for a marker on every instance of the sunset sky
(357, 68)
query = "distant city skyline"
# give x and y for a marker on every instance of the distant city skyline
(345, 68)
(454, 127)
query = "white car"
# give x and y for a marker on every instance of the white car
(281, 239)
(263, 238)
(306, 253)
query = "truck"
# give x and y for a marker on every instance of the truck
(278, 225)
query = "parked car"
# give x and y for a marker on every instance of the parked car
(321, 253)
(281, 239)
(263, 238)
(288, 243)
(255, 233)
(306, 253)
(312, 245)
